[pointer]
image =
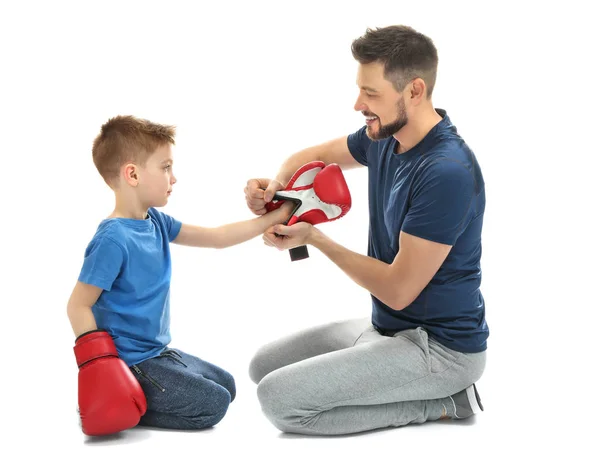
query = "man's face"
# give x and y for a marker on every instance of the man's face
(383, 107)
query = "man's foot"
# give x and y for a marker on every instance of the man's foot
(466, 403)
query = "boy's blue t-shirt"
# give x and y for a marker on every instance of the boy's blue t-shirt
(130, 259)
(434, 191)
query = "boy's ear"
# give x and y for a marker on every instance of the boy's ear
(130, 173)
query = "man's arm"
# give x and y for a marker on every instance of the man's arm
(397, 284)
(231, 234)
(260, 191)
(332, 151)
(79, 307)
(443, 195)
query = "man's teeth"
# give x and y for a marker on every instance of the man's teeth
(371, 118)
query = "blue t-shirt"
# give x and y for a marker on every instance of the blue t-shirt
(131, 260)
(434, 191)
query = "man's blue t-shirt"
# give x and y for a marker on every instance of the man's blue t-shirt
(131, 260)
(434, 191)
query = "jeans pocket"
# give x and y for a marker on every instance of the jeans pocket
(149, 378)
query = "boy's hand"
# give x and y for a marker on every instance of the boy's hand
(284, 212)
(110, 398)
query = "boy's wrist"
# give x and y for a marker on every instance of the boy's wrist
(271, 218)
(280, 215)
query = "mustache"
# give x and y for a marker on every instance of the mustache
(369, 114)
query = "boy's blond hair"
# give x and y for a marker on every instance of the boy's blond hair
(125, 139)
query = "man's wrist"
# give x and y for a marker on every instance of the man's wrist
(315, 237)
(278, 178)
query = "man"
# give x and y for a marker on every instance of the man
(418, 356)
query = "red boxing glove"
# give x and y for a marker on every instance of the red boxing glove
(320, 192)
(110, 398)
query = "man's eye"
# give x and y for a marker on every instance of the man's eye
(167, 167)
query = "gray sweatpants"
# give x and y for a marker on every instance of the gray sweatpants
(345, 377)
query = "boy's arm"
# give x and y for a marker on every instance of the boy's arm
(110, 399)
(231, 234)
(79, 307)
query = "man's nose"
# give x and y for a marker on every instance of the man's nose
(360, 105)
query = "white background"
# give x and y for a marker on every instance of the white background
(247, 84)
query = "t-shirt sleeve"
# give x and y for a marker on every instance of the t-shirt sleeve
(102, 263)
(440, 202)
(172, 226)
(358, 144)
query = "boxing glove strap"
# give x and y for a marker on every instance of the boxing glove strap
(93, 345)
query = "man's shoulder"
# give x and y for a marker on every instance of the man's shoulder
(449, 148)
(445, 162)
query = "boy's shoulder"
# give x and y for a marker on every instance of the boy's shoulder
(112, 227)
(110, 230)
(157, 214)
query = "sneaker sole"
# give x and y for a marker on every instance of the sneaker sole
(474, 400)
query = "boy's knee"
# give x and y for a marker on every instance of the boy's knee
(212, 409)
(219, 410)
(228, 382)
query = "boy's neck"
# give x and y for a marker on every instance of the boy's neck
(128, 207)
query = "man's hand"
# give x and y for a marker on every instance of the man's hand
(289, 237)
(256, 197)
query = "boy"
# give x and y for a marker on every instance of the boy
(119, 307)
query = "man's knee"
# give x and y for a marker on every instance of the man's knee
(280, 404)
(272, 401)
(258, 367)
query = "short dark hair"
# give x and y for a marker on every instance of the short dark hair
(124, 138)
(405, 54)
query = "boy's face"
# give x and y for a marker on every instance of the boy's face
(156, 178)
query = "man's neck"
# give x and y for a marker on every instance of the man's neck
(416, 129)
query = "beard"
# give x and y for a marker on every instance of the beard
(387, 130)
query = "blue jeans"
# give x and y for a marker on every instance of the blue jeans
(183, 392)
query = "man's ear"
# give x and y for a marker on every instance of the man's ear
(130, 174)
(418, 90)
